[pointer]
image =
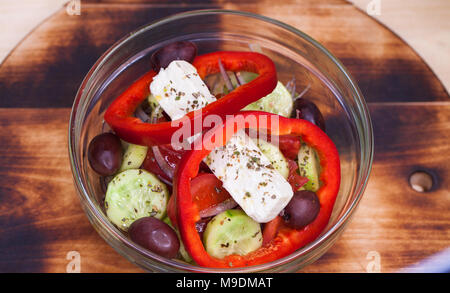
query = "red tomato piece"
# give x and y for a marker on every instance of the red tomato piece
(152, 166)
(289, 145)
(270, 230)
(294, 177)
(207, 191)
(170, 156)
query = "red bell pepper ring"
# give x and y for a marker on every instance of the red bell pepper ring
(287, 240)
(119, 114)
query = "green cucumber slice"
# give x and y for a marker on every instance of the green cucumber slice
(133, 156)
(275, 157)
(277, 102)
(232, 232)
(133, 194)
(153, 102)
(309, 167)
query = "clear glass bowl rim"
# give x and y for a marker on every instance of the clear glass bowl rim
(95, 215)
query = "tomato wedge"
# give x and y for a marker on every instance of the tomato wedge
(270, 230)
(289, 146)
(150, 164)
(170, 156)
(207, 191)
(294, 177)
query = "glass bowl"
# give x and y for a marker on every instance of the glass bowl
(325, 80)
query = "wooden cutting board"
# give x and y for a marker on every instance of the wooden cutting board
(41, 217)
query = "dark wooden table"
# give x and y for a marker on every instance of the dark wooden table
(40, 215)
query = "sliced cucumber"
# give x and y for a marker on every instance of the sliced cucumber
(133, 194)
(133, 156)
(277, 102)
(232, 232)
(309, 167)
(184, 254)
(153, 102)
(248, 76)
(275, 156)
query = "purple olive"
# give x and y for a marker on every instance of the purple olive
(307, 110)
(105, 154)
(302, 209)
(156, 236)
(182, 50)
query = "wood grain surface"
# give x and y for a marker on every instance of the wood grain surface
(57, 55)
(41, 216)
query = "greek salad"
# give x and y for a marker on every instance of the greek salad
(256, 181)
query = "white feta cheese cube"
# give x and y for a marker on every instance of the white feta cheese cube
(260, 190)
(180, 90)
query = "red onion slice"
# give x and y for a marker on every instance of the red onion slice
(169, 171)
(218, 208)
(239, 78)
(162, 162)
(303, 92)
(291, 87)
(200, 225)
(225, 76)
(140, 113)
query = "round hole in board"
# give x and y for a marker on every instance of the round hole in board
(421, 180)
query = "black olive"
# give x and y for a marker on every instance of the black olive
(105, 154)
(302, 209)
(156, 236)
(182, 50)
(307, 110)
